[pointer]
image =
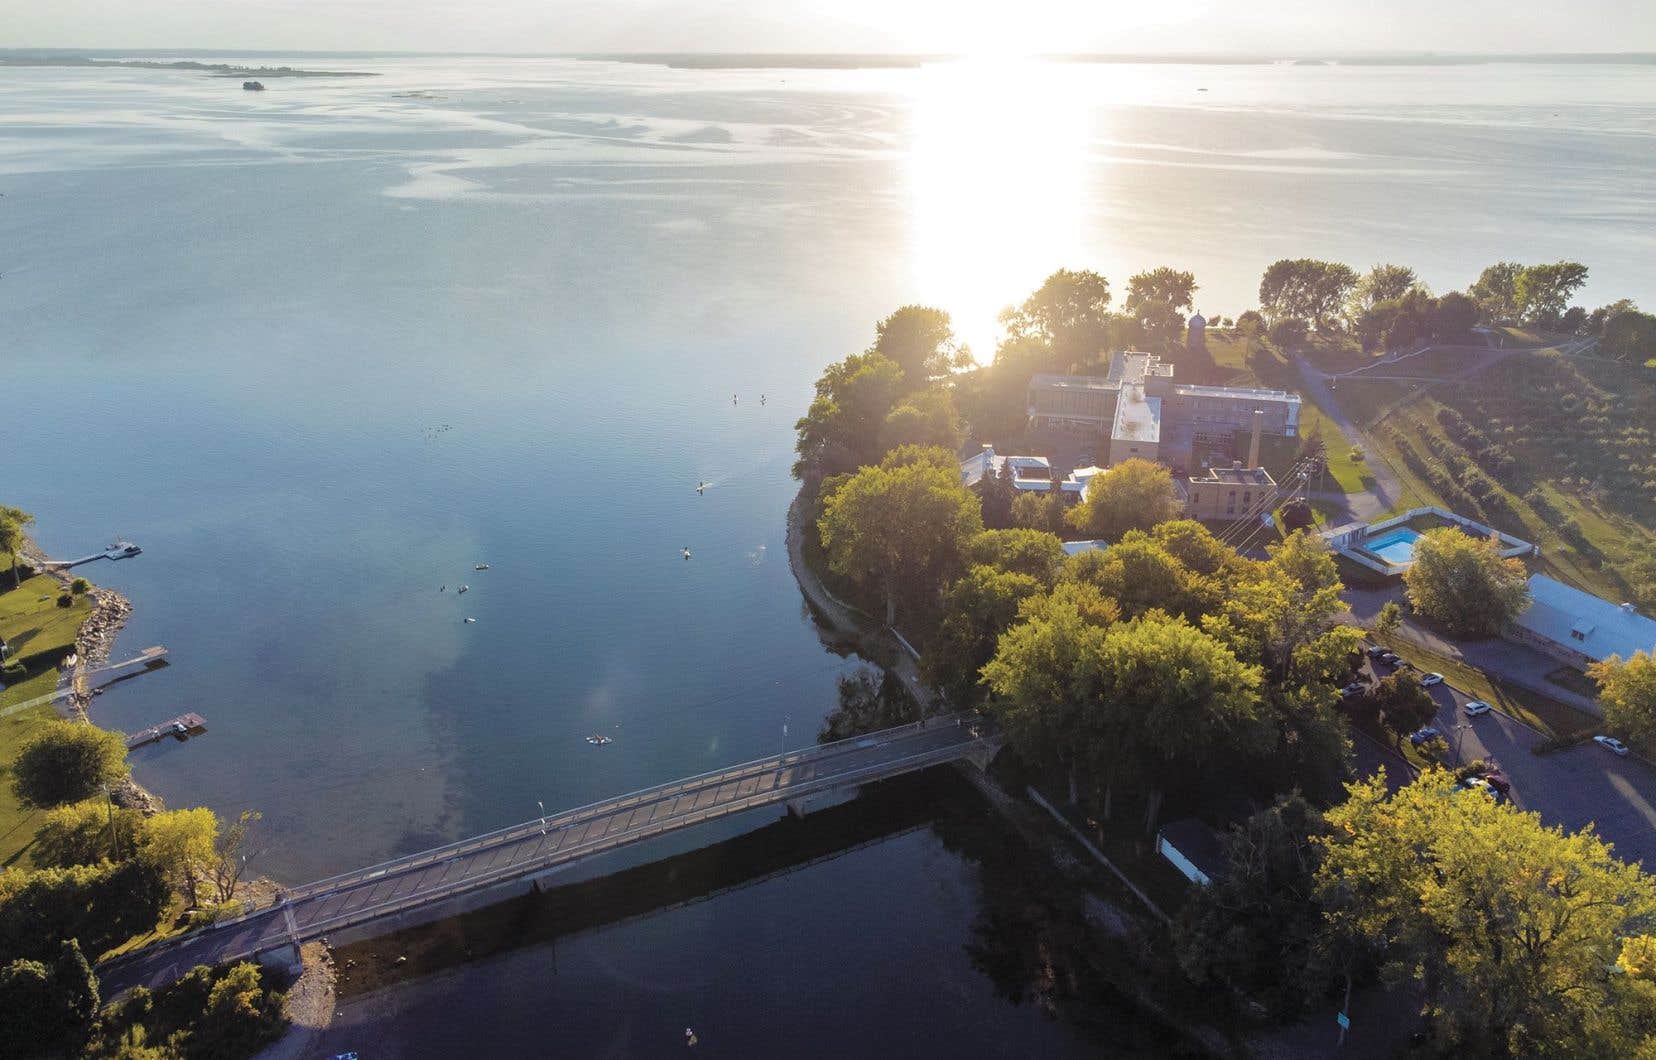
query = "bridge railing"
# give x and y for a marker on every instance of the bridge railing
(603, 806)
(612, 841)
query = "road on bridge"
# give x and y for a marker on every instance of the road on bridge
(546, 843)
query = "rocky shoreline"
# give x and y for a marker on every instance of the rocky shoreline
(93, 645)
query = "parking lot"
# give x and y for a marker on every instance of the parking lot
(1573, 787)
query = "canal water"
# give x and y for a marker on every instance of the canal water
(323, 350)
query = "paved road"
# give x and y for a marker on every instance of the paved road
(539, 845)
(1579, 786)
(1386, 491)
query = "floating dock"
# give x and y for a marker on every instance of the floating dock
(182, 726)
(118, 550)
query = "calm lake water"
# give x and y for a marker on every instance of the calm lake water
(322, 349)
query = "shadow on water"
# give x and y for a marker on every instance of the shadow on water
(784, 846)
(1029, 934)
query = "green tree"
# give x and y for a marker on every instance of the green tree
(1630, 336)
(1461, 582)
(977, 609)
(1133, 495)
(1543, 291)
(1382, 283)
(926, 418)
(1258, 926)
(1627, 695)
(100, 905)
(47, 1009)
(1178, 697)
(1141, 574)
(1403, 703)
(900, 528)
(1045, 693)
(1308, 288)
(1032, 552)
(1068, 316)
(1287, 333)
(843, 428)
(83, 833)
(66, 761)
(1511, 930)
(1030, 511)
(180, 844)
(14, 525)
(1387, 621)
(921, 341)
(1496, 293)
(1455, 316)
(1173, 287)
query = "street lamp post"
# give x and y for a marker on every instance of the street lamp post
(542, 806)
(1460, 733)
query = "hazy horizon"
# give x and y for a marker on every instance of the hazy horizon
(861, 27)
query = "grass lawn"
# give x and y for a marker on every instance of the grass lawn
(1549, 715)
(1347, 474)
(32, 623)
(39, 631)
(17, 822)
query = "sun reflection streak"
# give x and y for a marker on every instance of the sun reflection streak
(997, 177)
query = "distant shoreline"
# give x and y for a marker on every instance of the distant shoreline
(214, 69)
(859, 61)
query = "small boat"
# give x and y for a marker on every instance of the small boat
(469, 621)
(252, 86)
(598, 741)
(463, 588)
(481, 566)
(121, 550)
(686, 551)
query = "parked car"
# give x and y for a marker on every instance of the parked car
(1498, 780)
(1420, 736)
(1433, 678)
(1476, 708)
(1479, 784)
(1390, 658)
(1375, 650)
(1352, 691)
(1610, 743)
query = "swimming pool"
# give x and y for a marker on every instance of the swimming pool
(1394, 546)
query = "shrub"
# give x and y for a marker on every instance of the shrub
(65, 600)
(80, 586)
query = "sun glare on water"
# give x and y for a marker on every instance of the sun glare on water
(997, 178)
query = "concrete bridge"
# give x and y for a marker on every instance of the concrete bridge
(544, 845)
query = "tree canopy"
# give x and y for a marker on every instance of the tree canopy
(920, 340)
(900, 527)
(1513, 930)
(1627, 695)
(1175, 287)
(1307, 288)
(1460, 581)
(14, 524)
(844, 427)
(1068, 315)
(66, 761)
(1133, 495)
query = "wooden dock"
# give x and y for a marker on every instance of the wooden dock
(181, 726)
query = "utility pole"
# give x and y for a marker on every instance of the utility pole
(114, 836)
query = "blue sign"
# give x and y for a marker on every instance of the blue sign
(1344, 1021)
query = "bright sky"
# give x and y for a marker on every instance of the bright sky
(950, 26)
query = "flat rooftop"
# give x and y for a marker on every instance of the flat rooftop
(1137, 417)
(1048, 381)
(1236, 392)
(1233, 476)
